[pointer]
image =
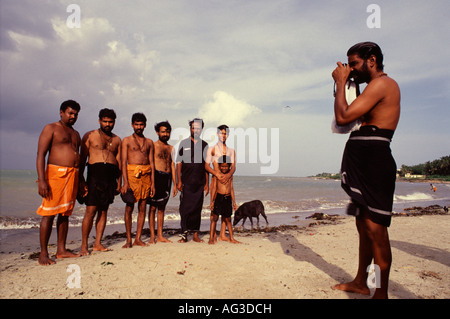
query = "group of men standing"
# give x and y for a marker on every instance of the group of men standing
(140, 170)
(368, 168)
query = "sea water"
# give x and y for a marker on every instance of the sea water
(19, 198)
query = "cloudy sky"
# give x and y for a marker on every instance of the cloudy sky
(262, 67)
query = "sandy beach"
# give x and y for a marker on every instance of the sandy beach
(295, 262)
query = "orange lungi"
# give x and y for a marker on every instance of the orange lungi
(139, 180)
(63, 182)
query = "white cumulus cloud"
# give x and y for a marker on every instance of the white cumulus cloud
(226, 109)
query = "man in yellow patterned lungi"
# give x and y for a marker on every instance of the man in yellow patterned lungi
(138, 176)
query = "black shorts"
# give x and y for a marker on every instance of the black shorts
(369, 172)
(223, 205)
(163, 182)
(102, 184)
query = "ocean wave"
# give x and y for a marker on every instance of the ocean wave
(7, 222)
(115, 215)
(413, 197)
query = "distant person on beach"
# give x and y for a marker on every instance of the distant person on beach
(58, 183)
(433, 188)
(165, 175)
(222, 204)
(192, 180)
(138, 173)
(368, 168)
(102, 147)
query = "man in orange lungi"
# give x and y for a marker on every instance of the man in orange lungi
(138, 171)
(58, 183)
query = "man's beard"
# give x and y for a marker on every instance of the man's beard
(362, 76)
(106, 129)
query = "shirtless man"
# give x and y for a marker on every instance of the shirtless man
(217, 151)
(138, 175)
(102, 147)
(165, 175)
(58, 184)
(368, 169)
(214, 153)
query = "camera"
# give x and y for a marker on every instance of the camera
(349, 81)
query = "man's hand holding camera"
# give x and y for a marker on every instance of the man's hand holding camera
(341, 73)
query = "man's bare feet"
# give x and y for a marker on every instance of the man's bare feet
(197, 239)
(352, 287)
(224, 238)
(127, 245)
(84, 252)
(162, 240)
(45, 260)
(66, 254)
(140, 243)
(100, 247)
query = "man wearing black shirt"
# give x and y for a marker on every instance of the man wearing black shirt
(192, 179)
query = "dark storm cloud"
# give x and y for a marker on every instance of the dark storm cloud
(26, 17)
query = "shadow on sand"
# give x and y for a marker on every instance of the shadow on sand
(300, 252)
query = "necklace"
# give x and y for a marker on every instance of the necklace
(141, 147)
(107, 142)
